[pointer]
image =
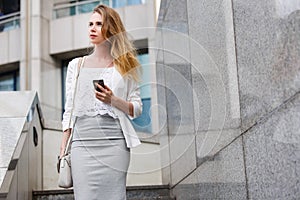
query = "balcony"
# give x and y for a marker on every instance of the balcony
(10, 21)
(69, 9)
(10, 38)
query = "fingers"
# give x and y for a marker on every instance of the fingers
(100, 87)
(104, 89)
(100, 95)
(103, 96)
(107, 88)
(106, 94)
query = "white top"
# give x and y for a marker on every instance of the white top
(123, 87)
(86, 104)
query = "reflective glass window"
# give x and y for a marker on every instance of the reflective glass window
(10, 81)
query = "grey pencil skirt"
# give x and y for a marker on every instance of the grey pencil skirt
(99, 158)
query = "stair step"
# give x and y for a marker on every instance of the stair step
(153, 192)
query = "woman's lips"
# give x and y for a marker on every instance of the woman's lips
(93, 36)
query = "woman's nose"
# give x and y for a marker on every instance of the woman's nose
(93, 28)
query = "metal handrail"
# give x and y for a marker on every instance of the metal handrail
(68, 5)
(9, 20)
(76, 5)
(5, 21)
(11, 15)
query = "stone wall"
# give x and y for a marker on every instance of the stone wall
(228, 79)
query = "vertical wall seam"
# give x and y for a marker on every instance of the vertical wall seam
(167, 116)
(192, 82)
(245, 168)
(238, 82)
(236, 57)
(192, 85)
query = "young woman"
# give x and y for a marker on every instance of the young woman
(103, 134)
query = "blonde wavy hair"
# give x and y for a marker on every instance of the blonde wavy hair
(121, 48)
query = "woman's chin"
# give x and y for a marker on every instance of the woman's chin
(97, 43)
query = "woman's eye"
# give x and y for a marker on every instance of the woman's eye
(99, 23)
(90, 24)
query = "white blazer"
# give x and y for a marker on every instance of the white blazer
(122, 87)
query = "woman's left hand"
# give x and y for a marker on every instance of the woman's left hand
(106, 95)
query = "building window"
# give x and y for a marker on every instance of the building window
(10, 81)
(9, 15)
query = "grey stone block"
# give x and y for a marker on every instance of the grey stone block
(10, 132)
(178, 98)
(182, 156)
(175, 43)
(272, 154)
(179, 27)
(165, 159)
(221, 177)
(214, 69)
(176, 11)
(202, 103)
(209, 143)
(16, 104)
(161, 99)
(162, 12)
(267, 40)
(2, 174)
(211, 191)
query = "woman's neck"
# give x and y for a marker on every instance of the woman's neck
(100, 57)
(102, 52)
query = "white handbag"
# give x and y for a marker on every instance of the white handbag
(64, 164)
(65, 174)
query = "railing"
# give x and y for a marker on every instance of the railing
(10, 21)
(21, 151)
(69, 9)
(66, 9)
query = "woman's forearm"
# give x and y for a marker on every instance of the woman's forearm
(66, 135)
(122, 105)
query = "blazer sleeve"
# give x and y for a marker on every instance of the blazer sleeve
(134, 97)
(69, 94)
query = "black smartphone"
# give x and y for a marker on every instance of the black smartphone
(100, 82)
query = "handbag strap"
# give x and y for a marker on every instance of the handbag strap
(80, 62)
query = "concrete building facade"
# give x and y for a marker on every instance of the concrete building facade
(229, 72)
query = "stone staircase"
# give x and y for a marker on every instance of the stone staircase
(154, 192)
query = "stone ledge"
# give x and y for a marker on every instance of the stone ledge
(133, 193)
(128, 188)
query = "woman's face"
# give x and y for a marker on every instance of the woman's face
(95, 25)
